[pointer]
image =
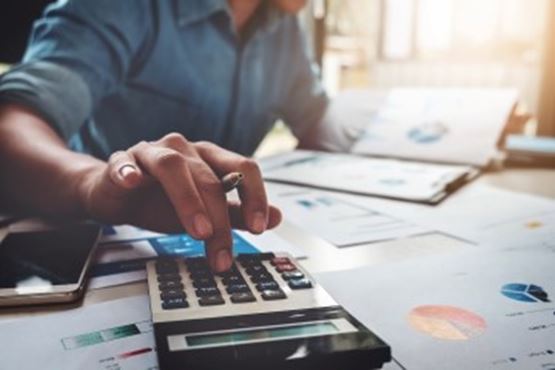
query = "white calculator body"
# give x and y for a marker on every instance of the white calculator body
(265, 313)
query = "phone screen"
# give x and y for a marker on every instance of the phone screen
(36, 261)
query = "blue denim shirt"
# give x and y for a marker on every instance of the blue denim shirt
(107, 74)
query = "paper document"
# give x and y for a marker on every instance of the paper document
(485, 214)
(439, 125)
(419, 182)
(105, 336)
(342, 221)
(476, 310)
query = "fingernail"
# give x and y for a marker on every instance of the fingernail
(202, 226)
(223, 260)
(125, 170)
(259, 223)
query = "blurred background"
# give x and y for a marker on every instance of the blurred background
(384, 44)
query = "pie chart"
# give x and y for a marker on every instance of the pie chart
(446, 322)
(525, 292)
(428, 132)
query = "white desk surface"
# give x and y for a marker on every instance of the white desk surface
(325, 257)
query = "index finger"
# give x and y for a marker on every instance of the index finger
(251, 191)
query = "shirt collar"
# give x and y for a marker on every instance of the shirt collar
(190, 11)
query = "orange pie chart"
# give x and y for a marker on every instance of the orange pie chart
(446, 322)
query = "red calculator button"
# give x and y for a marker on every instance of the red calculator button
(280, 261)
(285, 267)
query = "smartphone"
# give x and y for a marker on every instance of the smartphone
(47, 265)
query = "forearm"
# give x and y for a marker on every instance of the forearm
(38, 173)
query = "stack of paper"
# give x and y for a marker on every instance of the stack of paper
(390, 178)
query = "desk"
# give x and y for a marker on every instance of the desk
(323, 256)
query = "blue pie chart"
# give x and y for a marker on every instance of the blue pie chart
(525, 292)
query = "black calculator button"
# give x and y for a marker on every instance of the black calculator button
(166, 267)
(211, 300)
(204, 283)
(173, 293)
(288, 275)
(247, 260)
(200, 271)
(233, 280)
(197, 275)
(232, 271)
(266, 256)
(169, 277)
(173, 303)
(270, 295)
(242, 297)
(262, 278)
(170, 284)
(300, 284)
(280, 261)
(238, 288)
(256, 269)
(205, 292)
(271, 285)
(196, 262)
(286, 267)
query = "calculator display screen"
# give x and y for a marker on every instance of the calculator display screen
(262, 334)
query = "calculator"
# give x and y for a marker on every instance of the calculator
(265, 313)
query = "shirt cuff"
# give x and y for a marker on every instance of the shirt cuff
(55, 93)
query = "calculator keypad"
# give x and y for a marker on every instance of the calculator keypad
(253, 277)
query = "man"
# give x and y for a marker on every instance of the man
(121, 109)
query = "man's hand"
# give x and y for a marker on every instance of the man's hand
(172, 184)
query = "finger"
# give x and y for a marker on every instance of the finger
(238, 221)
(124, 171)
(170, 168)
(251, 191)
(219, 245)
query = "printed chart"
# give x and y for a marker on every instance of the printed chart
(446, 322)
(525, 292)
(339, 221)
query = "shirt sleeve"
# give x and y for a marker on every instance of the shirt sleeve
(79, 52)
(305, 101)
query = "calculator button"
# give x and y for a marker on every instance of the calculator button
(173, 293)
(262, 278)
(285, 267)
(233, 280)
(280, 261)
(170, 284)
(266, 256)
(270, 295)
(196, 262)
(271, 285)
(300, 284)
(242, 297)
(166, 267)
(201, 275)
(174, 303)
(211, 300)
(168, 277)
(238, 288)
(288, 275)
(205, 292)
(204, 283)
(256, 269)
